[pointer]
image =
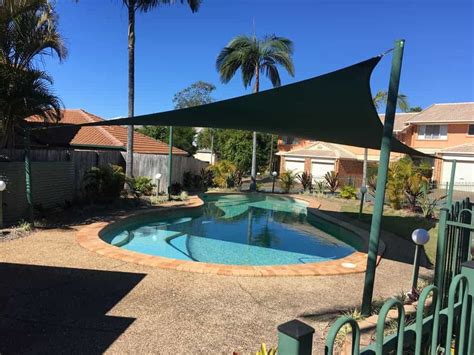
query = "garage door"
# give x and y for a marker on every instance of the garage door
(295, 165)
(320, 168)
(464, 177)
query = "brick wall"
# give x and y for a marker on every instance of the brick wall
(350, 171)
(52, 185)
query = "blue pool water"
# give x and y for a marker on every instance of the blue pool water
(237, 230)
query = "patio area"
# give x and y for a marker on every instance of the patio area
(61, 297)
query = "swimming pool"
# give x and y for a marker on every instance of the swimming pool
(246, 229)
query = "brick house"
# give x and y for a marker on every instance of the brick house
(447, 131)
(318, 158)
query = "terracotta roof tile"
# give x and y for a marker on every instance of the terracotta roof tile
(109, 136)
(401, 119)
(446, 113)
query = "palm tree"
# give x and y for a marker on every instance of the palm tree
(254, 57)
(141, 6)
(28, 31)
(380, 99)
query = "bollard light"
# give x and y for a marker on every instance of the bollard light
(3, 186)
(363, 191)
(420, 237)
(274, 174)
(158, 177)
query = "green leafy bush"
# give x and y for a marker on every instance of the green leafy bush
(223, 174)
(104, 183)
(287, 180)
(207, 177)
(348, 192)
(306, 180)
(332, 181)
(176, 188)
(142, 185)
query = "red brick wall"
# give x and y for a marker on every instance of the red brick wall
(348, 168)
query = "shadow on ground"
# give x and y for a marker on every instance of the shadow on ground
(61, 310)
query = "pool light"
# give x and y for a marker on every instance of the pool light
(274, 174)
(158, 177)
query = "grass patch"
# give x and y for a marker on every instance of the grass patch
(399, 222)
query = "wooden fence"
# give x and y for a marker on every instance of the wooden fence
(149, 165)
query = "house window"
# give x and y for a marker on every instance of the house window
(433, 132)
(470, 130)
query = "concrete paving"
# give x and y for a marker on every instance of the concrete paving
(58, 297)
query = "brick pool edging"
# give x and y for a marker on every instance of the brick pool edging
(89, 238)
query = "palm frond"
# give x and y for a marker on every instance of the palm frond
(148, 5)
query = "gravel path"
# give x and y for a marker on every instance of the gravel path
(59, 297)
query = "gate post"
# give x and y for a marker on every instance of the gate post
(295, 338)
(467, 269)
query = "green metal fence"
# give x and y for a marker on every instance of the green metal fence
(432, 330)
(454, 243)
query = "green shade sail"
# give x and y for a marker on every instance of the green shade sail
(336, 107)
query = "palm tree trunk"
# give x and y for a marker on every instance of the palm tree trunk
(131, 85)
(212, 147)
(253, 175)
(270, 165)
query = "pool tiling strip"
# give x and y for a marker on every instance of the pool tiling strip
(88, 237)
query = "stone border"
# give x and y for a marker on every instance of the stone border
(89, 238)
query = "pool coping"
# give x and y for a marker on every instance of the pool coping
(89, 238)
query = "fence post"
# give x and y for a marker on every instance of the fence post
(441, 251)
(467, 269)
(295, 338)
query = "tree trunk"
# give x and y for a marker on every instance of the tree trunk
(131, 85)
(270, 165)
(212, 148)
(364, 168)
(253, 183)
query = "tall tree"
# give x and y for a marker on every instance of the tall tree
(28, 31)
(254, 57)
(141, 6)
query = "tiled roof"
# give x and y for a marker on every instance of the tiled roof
(320, 150)
(401, 119)
(463, 149)
(108, 136)
(446, 113)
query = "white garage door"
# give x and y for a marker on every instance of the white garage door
(464, 176)
(320, 168)
(295, 165)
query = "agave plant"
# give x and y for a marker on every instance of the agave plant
(332, 180)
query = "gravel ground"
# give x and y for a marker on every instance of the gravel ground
(62, 298)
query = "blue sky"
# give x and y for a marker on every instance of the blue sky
(175, 48)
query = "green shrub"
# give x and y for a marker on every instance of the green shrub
(348, 192)
(223, 173)
(176, 188)
(142, 185)
(332, 181)
(207, 177)
(287, 180)
(104, 183)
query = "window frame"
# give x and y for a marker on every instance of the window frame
(442, 132)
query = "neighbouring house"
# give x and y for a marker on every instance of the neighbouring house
(447, 131)
(205, 155)
(318, 158)
(99, 137)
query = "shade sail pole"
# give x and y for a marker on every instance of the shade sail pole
(382, 176)
(170, 162)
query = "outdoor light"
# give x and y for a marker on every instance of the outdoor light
(363, 191)
(158, 177)
(3, 186)
(420, 237)
(274, 174)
